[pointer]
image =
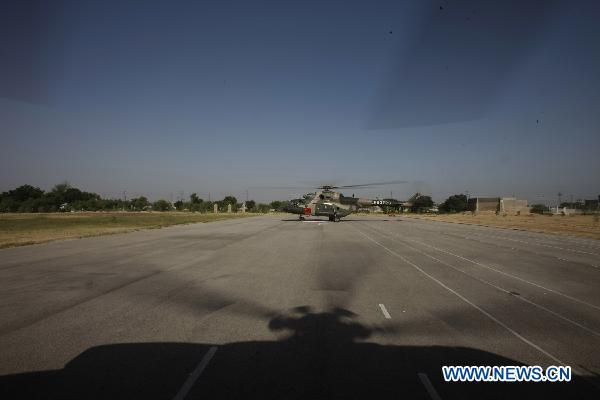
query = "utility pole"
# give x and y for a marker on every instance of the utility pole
(559, 199)
(124, 199)
(246, 195)
(467, 193)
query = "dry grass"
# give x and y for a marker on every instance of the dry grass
(577, 225)
(23, 229)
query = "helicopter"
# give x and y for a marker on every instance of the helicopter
(326, 202)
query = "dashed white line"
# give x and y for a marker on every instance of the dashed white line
(195, 374)
(428, 386)
(385, 312)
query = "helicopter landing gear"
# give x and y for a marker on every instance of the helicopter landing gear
(334, 218)
(301, 218)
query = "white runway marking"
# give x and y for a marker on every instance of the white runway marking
(515, 249)
(196, 374)
(536, 243)
(509, 275)
(428, 386)
(463, 298)
(593, 332)
(502, 272)
(385, 312)
(494, 243)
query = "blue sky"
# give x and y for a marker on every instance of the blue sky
(497, 98)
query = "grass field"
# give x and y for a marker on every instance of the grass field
(577, 225)
(23, 229)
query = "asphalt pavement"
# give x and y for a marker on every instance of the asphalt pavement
(271, 307)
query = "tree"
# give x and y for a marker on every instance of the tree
(194, 199)
(71, 195)
(263, 208)
(140, 203)
(25, 192)
(161, 205)
(61, 187)
(57, 194)
(206, 206)
(8, 204)
(21, 199)
(421, 203)
(278, 205)
(455, 203)
(250, 205)
(178, 205)
(228, 200)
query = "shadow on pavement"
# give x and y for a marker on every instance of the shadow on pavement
(325, 356)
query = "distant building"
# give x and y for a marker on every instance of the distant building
(512, 205)
(508, 205)
(565, 211)
(481, 204)
(592, 204)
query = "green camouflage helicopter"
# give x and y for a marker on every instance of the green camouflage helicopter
(325, 202)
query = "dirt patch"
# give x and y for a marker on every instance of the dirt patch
(24, 229)
(577, 225)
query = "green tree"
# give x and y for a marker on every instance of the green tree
(250, 205)
(228, 200)
(278, 205)
(161, 205)
(206, 206)
(21, 199)
(57, 195)
(25, 192)
(140, 203)
(194, 199)
(421, 203)
(455, 203)
(262, 208)
(8, 204)
(71, 195)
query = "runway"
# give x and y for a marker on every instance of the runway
(271, 307)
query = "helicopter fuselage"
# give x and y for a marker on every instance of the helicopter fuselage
(326, 204)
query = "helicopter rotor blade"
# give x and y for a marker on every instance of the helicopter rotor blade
(372, 184)
(280, 187)
(327, 186)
